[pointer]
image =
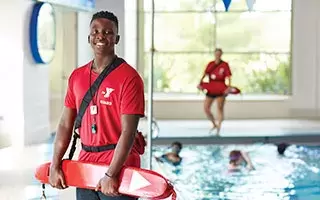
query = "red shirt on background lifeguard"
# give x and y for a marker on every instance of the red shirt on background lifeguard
(217, 75)
(121, 92)
(218, 72)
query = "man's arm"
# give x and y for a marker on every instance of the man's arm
(132, 108)
(129, 128)
(63, 135)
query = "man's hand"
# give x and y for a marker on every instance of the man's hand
(61, 143)
(108, 186)
(56, 178)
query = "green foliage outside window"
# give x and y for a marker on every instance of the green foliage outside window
(256, 45)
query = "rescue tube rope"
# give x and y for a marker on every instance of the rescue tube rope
(43, 196)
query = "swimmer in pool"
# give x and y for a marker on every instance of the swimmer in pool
(281, 148)
(238, 159)
(172, 157)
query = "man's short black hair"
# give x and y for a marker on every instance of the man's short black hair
(106, 15)
(177, 144)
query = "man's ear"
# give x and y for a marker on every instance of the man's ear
(89, 39)
(117, 39)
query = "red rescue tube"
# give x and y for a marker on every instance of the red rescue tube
(218, 88)
(134, 182)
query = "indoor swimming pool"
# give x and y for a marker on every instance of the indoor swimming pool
(203, 173)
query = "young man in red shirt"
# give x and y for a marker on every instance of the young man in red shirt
(118, 104)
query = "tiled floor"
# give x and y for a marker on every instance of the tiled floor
(17, 167)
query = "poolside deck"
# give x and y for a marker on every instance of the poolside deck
(240, 131)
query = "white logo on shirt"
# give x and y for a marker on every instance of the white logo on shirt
(106, 94)
(108, 103)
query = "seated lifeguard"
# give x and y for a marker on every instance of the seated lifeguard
(172, 157)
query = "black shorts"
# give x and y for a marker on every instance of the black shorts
(213, 96)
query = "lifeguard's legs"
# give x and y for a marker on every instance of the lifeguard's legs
(220, 112)
(207, 109)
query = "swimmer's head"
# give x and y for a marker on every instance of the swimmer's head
(235, 157)
(218, 53)
(282, 148)
(176, 147)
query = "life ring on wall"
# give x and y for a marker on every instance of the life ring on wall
(42, 33)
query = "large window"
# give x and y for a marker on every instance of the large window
(256, 44)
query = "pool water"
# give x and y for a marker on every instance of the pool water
(203, 173)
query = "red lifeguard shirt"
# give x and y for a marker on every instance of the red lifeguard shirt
(218, 72)
(121, 92)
